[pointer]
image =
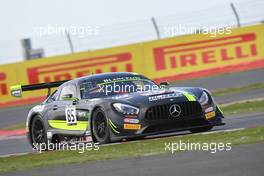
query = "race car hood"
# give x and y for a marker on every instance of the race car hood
(151, 98)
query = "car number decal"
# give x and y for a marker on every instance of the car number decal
(70, 114)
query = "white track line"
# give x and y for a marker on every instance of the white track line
(220, 131)
(14, 154)
(2, 138)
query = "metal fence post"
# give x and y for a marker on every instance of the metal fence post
(156, 27)
(236, 14)
(70, 41)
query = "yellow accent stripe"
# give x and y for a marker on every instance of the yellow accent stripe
(16, 87)
(219, 109)
(110, 121)
(113, 126)
(62, 124)
(71, 99)
(189, 96)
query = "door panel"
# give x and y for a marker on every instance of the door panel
(72, 119)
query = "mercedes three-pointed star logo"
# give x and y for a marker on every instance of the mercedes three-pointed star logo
(175, 110)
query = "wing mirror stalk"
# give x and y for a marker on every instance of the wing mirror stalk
(70, 98)
(164, 85)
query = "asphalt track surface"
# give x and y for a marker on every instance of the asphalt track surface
(243, 160)
(224, 81)
(11, 116)
(19, 144)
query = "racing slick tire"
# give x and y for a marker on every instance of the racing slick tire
(38, 134)
(100, 129)
(202, 129)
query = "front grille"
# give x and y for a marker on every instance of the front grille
(161, 112)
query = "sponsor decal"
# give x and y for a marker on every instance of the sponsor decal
(210, 115)
(70, 114)
(130, 116)
(129, 120)
(164, 96)
(121, 79)
(209, 109)
(78, 68)
(132, 126)
(205, 52)
(83, 115)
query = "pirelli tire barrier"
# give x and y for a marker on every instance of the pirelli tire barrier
(169, 59)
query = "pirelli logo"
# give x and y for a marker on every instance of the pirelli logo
(132, 126)
(80, 67)
(204, 52)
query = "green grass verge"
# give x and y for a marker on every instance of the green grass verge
(244, 107)
(238, 89)
(126, 150)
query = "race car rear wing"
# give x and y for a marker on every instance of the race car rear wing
(16, 91)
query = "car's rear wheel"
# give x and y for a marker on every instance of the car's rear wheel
(202, 129)
(100, 127)
(38, 134)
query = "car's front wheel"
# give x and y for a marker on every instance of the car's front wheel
(100, 127)
(202, 129)
(38, 134)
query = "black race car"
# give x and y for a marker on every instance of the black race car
(115, 106)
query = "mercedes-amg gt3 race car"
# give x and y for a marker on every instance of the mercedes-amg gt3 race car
(114, 106)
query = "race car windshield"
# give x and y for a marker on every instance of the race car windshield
(116, 86)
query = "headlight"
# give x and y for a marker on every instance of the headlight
(204, 99)
(126, 109)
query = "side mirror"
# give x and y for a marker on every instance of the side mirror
(164, 84)
(75, 101)
(67, 97)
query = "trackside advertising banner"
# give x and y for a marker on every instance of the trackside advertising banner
(170, 59)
